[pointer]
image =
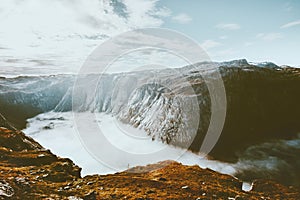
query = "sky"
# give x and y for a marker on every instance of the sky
(56, 36)
(259, 31)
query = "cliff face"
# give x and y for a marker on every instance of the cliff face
(262, 102)
(27, 171)
(262, 105)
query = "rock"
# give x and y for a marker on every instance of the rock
(162, 179)
(5, 189)
(150, 192)
(90, 196)
(74, 198)
(49, 126)
(238, 197)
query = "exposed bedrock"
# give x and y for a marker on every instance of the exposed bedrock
(262, 102)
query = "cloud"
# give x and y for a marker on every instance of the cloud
(51, 28)
(209, 44)
(182, 18)
(162, 12)
(291, 24)
(144, 13)
(228, 26)
(269, 36)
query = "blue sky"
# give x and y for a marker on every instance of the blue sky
(257, 30)
(56, 36)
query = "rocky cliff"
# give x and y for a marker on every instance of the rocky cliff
(262, 102)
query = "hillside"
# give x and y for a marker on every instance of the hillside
(28, 171)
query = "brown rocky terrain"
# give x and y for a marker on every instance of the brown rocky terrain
(28, 171)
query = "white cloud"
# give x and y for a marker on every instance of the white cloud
(209, 44)
(269, 36)
(162, 12)
(182, 18)
(291, 24)
(65, 32)
(228, 26)
(144, 13)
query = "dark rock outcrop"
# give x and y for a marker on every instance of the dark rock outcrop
(262, 105)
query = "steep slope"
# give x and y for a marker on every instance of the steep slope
(30, 172)
(262, 102)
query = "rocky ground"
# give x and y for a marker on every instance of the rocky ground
(28, 171)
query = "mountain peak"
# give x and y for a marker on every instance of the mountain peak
(238, 62)
(265, 64)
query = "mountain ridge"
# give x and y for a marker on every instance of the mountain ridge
(249, 89)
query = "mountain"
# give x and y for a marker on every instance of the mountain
(261, 100)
